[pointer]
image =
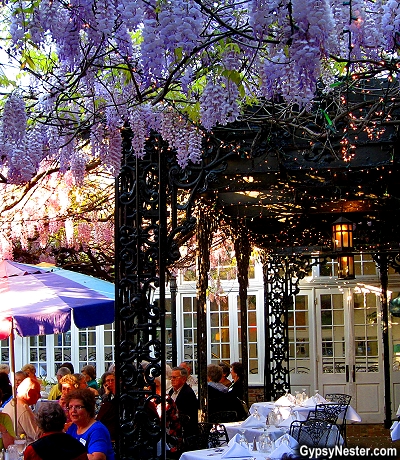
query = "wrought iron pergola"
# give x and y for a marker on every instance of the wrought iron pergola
(277, 192)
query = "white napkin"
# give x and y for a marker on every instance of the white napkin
(283, 401)
(312, 401)
(287, 422)
(254, 422)
(293, 444)
(235, 438)
(395, 431)
(280, 451)
(235, 450)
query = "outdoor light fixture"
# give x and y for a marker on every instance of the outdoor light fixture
(342, 237)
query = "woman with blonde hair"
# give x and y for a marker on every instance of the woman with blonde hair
(68, 383)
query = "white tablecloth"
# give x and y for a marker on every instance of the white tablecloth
(234, 427)
(395, 431)
(206, 454)
(215, 454)
(264, 408)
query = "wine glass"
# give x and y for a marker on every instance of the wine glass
(243, 441)
(265, 443)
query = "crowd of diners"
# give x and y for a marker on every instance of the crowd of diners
(182, 406)
(79, 420)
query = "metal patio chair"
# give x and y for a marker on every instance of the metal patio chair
(314, 433)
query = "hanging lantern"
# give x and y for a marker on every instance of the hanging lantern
(342, 235)
(346, 267)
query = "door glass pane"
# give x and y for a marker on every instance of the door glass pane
(219, 322)
(366, 332)
(299, 336)
(189, 317)
(332, 331)
(395, 326)
(251, 332)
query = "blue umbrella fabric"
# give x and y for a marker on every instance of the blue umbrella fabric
(43, 300)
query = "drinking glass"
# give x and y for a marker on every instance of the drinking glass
(13, 452)
(21, 444)
(265, 443)
(243, 441)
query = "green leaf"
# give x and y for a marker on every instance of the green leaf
(329, 121)
(178, 53)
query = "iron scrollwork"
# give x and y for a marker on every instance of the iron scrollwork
(155, 202)
(282, 274)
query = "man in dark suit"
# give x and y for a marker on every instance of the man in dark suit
(185, 399)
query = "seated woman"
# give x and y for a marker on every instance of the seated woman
(85, 428)
(6, 429)
(108, 411)
(68, 383)
(51, 419)
(90, 373)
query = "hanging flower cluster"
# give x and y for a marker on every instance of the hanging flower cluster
(96, 66)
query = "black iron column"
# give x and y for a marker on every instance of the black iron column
(381, 260)
(243, 250)
(205, 230)
(140, 327)
(173, 288)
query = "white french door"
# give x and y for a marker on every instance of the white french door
(349, 349)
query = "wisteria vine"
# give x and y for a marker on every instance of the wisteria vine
(180, 67)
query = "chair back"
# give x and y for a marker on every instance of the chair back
(218, 436)
(199, 440)
(338, 398)
(314, 433)
(184, 420)
(329, 412)
(245, 407)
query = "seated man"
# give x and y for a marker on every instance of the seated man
(28, 394)
(219, 398)
(55, 392)
(184, 398)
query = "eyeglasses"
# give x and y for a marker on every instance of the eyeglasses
(75, 407)
(109, 380)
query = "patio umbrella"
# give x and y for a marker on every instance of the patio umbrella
(41, 300)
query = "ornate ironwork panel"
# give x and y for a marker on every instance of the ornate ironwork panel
(282, 274)
(155, 201)
(141, 225)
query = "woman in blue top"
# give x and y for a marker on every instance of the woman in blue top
(91, 433)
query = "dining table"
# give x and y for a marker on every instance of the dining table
(300, 411)
(233, 428)
(216, 454)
